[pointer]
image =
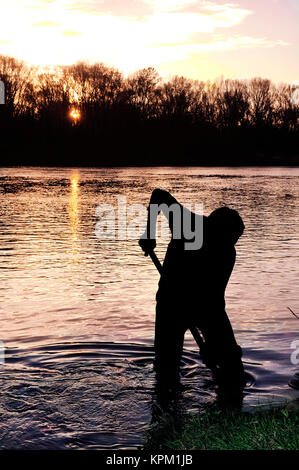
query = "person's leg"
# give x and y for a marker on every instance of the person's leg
(294, 382)
(169, 340)
(222, 347)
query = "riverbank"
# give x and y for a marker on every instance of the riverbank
(276, 429)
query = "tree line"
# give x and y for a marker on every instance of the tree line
(142, 119)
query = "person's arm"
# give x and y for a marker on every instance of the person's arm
(160, 201)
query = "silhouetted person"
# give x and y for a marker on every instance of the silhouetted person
(294, 382)
(191, 292)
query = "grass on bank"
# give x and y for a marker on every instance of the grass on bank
(276, 429)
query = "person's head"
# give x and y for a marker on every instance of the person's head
(225, 225)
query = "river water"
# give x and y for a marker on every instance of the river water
(77, 312)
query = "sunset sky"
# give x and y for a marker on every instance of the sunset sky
(198, 39)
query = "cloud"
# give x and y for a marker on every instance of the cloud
(34, 4)
(126, 8)
(222, 15)
(208, 13)
(129, 34)
(41, 24)
(226, 15)
(239, 42)
(71, 33)
(171, 5)
(185, 50)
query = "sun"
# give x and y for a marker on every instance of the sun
(75, 115)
